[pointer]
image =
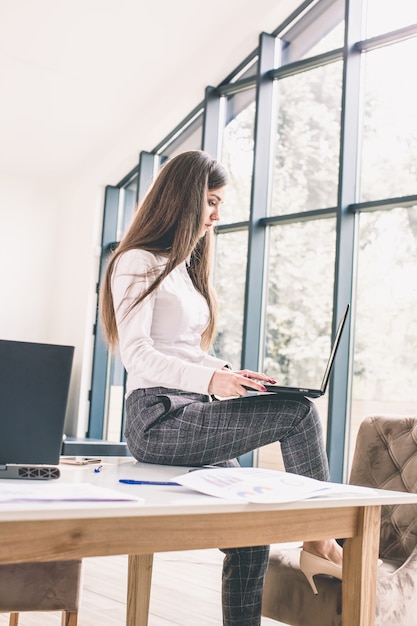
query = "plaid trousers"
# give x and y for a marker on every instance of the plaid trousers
(172, 427)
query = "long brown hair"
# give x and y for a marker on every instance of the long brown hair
(168, 222)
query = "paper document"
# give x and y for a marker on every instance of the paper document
(253, 484)
(15, 491)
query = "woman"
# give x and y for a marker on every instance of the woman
(157, 303)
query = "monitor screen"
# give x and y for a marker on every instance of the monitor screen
(34, 385)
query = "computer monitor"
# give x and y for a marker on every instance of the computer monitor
(34, 385)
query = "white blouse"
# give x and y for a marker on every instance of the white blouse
(159, 340)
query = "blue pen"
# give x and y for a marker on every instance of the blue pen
(129, 481)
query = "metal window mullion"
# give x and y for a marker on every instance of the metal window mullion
(230, 89)
(100, 351)
(301, 216)
(211, 123)
(252, 325)
(129, 205)
(384, 204)
(305, 65)
(339, 400)
(146, 173)
(386, 39)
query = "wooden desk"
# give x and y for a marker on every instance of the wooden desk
(173, 518)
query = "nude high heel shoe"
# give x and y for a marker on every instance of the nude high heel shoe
(310, 565)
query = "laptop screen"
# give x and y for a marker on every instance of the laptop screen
(34, 385)
(334, 349)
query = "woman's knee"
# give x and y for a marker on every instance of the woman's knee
(309, 409)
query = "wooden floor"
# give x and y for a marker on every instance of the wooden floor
(185, 592)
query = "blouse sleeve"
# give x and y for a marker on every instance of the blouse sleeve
(140, 358)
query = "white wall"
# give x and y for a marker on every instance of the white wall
(81, 97)
(50, 230)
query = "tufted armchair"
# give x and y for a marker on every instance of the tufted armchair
(385, 457)
(50, 586)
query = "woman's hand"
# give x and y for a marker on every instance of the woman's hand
(228, 384)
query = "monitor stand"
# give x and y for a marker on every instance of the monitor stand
(29, 471)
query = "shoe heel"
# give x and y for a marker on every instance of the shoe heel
(312, 583)
(310, 564)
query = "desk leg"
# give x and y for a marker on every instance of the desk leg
(138, 589)
(360, 555)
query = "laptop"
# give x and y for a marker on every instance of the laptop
(34, 385)
(314, 393)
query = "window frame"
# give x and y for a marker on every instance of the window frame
(263, 68)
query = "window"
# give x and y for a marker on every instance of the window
(306, 164)
(300, 281)
(389, 144)
(318, 132)
(237, 155)
(229, 279)
(237, 143)
(390, 16)
(385, 345)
